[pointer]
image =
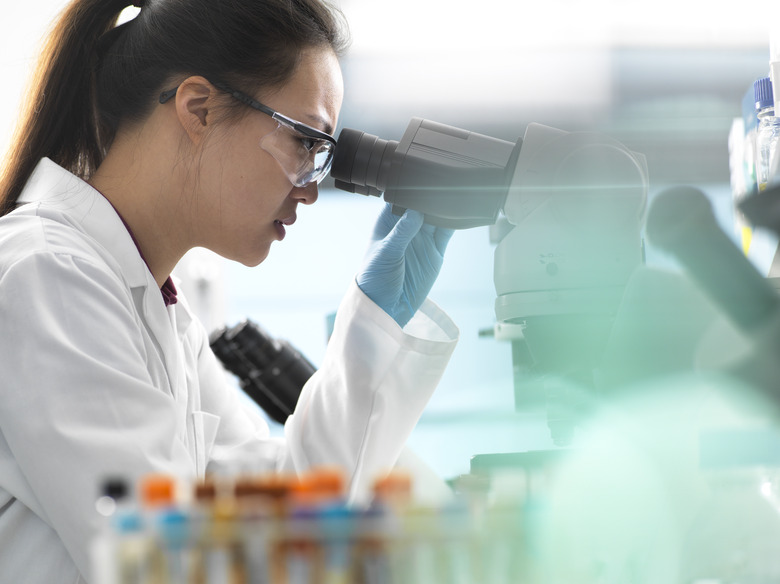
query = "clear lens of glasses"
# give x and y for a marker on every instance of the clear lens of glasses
(303, 159)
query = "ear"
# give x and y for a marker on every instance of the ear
(194, 98)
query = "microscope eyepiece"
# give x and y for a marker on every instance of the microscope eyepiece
(362, 162)
(457, 179)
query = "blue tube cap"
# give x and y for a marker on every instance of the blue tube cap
(762, 91)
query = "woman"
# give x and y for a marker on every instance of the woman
(198, 123)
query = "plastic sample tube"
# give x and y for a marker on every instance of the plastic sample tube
(220, 556)
(170, 559)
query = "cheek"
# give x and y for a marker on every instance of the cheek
(243, 186)
(239, 179)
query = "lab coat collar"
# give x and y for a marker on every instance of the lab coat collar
(57, 189)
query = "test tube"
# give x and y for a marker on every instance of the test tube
(306, 542)
(169, 557)
(221, 557)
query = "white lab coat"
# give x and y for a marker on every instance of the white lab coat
(99, 378)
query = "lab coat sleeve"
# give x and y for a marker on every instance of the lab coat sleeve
(359, 408)
(77, 402)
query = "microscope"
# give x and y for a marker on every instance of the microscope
(565, 210)
(680, 483)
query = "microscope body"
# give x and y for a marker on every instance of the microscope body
(572, 203)
(683, 455)
(575, 206)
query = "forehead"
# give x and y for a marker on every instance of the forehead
(314, 93)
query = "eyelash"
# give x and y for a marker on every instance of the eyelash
(307, 142)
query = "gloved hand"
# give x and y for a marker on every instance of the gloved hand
(402, 262)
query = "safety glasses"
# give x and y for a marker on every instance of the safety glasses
(304, 153)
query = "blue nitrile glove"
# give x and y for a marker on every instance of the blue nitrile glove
(402, 262)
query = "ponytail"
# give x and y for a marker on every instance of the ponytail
(93, 76)
(58, 119)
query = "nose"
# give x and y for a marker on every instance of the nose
(307, 194)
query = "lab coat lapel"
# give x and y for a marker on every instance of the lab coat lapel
(57, 188)
(162, 327)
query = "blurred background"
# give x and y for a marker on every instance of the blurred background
(666, 78)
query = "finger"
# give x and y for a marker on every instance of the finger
(385, 222)
(406, 228)
(428, 229)
(441, 238)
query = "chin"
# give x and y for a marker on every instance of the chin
(247, 253)
(251, 260)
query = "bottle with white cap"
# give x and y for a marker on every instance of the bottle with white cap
(768, 133)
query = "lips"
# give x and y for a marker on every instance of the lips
(281, 223)
(288, 220)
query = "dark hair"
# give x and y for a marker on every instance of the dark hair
(93, 75)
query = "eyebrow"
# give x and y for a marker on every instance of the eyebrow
(326, 127)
